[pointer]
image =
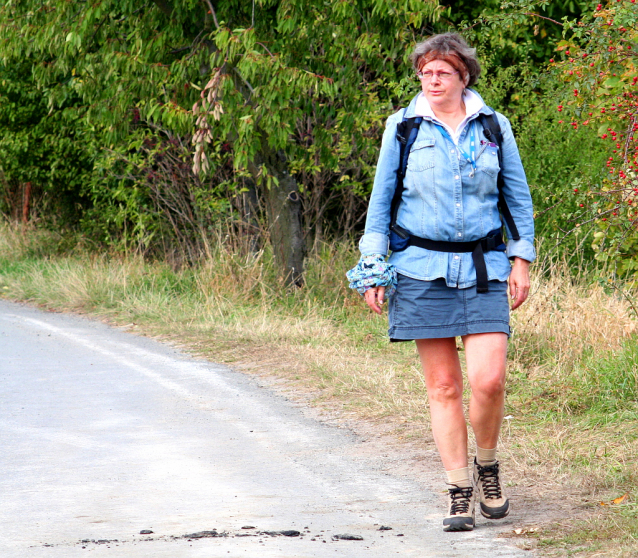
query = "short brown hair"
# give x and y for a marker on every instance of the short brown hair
(451, 48)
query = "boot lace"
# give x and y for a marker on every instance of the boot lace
(460, 500)
(488, 477)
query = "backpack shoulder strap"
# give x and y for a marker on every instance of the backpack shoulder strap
(491, 127)
(492, 132)
(407, 131)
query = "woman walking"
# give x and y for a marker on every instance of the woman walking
(449, 265)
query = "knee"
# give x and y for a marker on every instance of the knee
(489, 386)
(443, 390)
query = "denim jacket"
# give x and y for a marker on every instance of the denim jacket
(444, 200)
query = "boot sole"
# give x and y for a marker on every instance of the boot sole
(451, 529)
(461, 524)
(495, 514)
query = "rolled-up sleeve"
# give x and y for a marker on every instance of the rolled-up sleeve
(375, 238)
(517, 196)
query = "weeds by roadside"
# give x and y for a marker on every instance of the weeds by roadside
(572, 405)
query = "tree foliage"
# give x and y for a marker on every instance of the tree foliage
(300, 88)
(44, 161)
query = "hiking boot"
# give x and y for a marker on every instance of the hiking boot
(493, 503)
(461, 514)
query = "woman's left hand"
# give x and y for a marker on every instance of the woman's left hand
(374, 298)
(519, 282)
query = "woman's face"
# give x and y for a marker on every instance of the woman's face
(442, 91)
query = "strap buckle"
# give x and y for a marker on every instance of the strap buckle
(400, 231)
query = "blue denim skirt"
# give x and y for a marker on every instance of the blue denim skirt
(432, 310)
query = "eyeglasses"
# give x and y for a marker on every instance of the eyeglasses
(443, 76)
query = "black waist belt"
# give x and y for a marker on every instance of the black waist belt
(477, 247)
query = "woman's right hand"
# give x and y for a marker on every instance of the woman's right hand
(374, 297)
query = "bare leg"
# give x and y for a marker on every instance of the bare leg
(444, 382)
(486, 354)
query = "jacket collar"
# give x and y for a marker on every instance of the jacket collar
(410, 111)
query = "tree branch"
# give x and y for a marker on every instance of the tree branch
(543, 17)
(265, 48)
(192, 47)
(250, 88)
(212, 12)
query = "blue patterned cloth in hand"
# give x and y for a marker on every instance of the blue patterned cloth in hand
(373, 271)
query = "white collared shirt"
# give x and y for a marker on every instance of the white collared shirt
(473, 103)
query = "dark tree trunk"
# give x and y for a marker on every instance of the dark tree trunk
(283, 205)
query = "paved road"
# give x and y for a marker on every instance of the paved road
(104, 434)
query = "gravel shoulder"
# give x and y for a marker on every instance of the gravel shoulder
(106, 434)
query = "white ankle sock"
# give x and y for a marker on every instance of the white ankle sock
(485, 456)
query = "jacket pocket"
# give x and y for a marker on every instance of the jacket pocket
(422, 155)
(488, 161)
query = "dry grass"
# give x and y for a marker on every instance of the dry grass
(572, 393)
(567, 317)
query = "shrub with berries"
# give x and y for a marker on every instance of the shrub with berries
(597, 63)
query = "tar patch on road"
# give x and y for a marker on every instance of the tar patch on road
(247, 531)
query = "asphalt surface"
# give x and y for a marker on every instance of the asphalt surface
(104, 434)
